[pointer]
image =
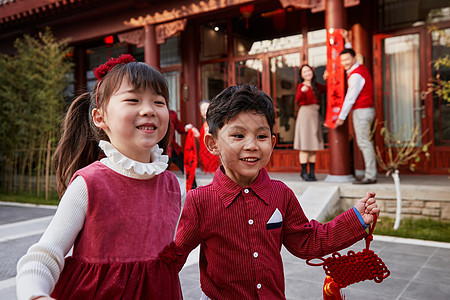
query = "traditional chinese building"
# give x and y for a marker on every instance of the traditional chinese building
(202, 46)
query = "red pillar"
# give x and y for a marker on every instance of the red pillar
(190, 78)
(151, 48)
(362, 44)
(339, 145)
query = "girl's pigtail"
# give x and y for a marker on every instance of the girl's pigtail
(78, 145)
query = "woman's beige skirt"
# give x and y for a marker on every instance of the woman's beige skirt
(308, 131)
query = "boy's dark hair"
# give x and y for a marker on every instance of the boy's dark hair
(349, 51)
(78, 145)
(236, 99)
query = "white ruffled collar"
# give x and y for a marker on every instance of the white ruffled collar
(131, 168)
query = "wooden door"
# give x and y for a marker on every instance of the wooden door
(402, 71)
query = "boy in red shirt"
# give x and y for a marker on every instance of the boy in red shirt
(242, 218)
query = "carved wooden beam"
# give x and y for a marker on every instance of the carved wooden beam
(182, 11)
(166, 30)
(314, 5)
(163, 32)
(135, 37)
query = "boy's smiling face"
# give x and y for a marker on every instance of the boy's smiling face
(244, 146)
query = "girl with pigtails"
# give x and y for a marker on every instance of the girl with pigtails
(119, 207)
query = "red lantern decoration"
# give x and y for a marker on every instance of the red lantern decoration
(246, 12)
(109, 40)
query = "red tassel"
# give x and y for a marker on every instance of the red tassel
(331, 290)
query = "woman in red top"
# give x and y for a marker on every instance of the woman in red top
(308, 132)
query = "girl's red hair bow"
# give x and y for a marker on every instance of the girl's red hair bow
(102, 70)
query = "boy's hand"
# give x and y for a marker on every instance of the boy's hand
(367, 206)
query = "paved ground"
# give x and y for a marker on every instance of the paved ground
(419, 269)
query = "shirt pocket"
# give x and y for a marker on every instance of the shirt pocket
(274, 232)
(276, 225)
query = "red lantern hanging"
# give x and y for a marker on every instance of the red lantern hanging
(246, 12)
(109, 40)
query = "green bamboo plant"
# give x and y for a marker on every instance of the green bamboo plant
(32, 84)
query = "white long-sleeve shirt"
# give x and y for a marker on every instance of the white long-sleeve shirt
(39, 269)
(355, 84)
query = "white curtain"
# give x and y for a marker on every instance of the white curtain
(401, 86)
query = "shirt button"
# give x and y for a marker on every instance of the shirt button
(250, 222)
(246, 191)
(258, 286)
(255, 255)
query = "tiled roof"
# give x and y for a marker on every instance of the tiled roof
(12, 11)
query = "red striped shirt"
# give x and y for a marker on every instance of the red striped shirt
(239, 251)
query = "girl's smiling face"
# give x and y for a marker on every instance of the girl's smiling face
(244, 146)
(134, 121)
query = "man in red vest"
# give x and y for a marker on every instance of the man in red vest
(359, 99)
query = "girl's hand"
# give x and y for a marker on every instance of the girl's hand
(44, 298)
(188, 127)
(196, 132)
(367, 207)
(304, 89)
(191, 127)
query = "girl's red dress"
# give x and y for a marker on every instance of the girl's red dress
(129, 221)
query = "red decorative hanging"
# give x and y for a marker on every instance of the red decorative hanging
(246, 12)
(190, 159)
(343, 270)
(336, 77)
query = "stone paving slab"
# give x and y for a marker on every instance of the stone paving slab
(25, 228)
(10, 214)
(419, 269)
(10, 253)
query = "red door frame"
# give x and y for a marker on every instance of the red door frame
(438, 154)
